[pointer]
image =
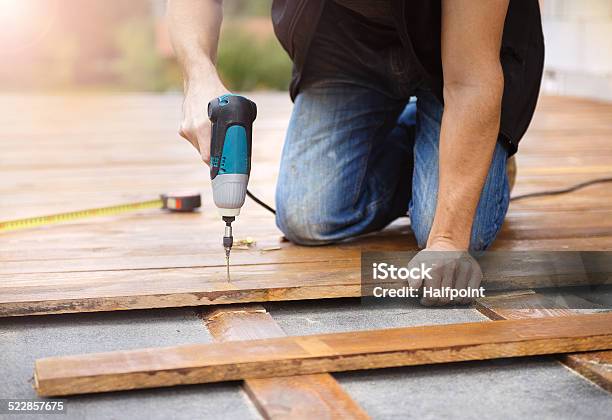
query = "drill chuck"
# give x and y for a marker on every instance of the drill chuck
(228, 238)
(229, 192)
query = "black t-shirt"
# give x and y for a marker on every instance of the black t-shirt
(348, 38)
(359, 43)
(378, 11)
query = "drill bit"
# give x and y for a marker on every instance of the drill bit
(228, 241)
(227, 255)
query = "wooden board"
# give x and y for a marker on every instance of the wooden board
(285, 356)
(520, 305)
(595, 366)
(297, 397)
(66, 153)
(336, 274)
(139, 289)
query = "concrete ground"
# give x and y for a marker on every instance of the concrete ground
(509, 389)
(22, 340)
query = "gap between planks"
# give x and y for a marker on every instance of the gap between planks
(594, 366)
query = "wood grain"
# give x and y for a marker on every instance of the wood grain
(521, 305)
(297, 397)
(112, 290)
(595, 366)
(285, 356)
(65, 153)
(140, 289)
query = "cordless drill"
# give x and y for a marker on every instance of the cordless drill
(232, 119)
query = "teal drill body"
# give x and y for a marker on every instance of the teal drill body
(232, 119)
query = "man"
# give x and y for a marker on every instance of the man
(359, 151)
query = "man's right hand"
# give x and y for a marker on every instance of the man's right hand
(196, 126)
(194, 31)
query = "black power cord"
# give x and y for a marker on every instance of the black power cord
(562, 191)
(515, 198)
(261, 203)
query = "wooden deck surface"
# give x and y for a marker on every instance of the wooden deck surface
(68, 153)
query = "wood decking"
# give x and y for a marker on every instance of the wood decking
(61, 154)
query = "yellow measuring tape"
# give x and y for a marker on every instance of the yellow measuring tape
(186, 203)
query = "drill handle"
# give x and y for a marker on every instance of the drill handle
(232, 119)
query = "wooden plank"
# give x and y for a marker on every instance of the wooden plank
(297, 397)
(284, 356)
(520, 305)
(603, 243)
(161, 240)
(595, 366)
(29, 294)
(51, 293)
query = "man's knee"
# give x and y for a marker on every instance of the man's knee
(299, 213)
(300, 224)
(480, 242)
(484, 233)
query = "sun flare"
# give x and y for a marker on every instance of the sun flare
(13, 10)
(23, 23)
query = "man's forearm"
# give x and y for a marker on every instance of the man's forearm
(473, 88)
(194, 31)
(469, 131)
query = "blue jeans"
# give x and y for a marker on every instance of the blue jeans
(354, 160)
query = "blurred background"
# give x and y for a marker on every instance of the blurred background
(116, 45)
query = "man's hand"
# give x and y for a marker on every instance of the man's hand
(196, 126)
(194, 31)
(452, 267)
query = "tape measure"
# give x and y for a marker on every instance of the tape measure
(171, 202)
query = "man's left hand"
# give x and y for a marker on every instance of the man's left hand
(452, 267)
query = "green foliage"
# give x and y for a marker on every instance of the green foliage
(247, 7)
(138, 66)
(246, 62)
